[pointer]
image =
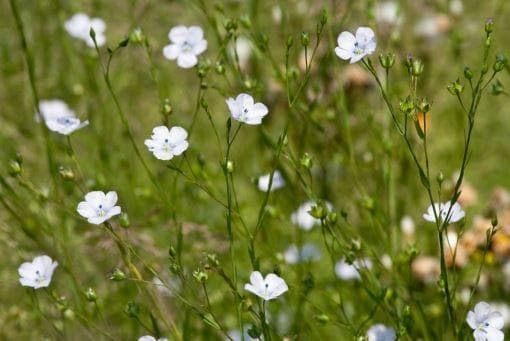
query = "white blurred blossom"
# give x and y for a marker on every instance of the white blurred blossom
(37, 274)
(486, 323)
(380, 332)
(186, 44)
(79, 25)
(445, 211)
(268, 288)
(294, 255)
(356, 47)
(302, 217)
(58, 117)
(347, 271)
(278, 181)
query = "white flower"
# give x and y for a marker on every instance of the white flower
(278, 181)
(379, 332)
(243, 50)
(58, 117)
(267, 288)
(79, 27)
(309, 252)
(387, 13)
(37, 274)
(98, 206)
(303, 219)
(244, 109)
(165, 144)
(151, 338)
(186, 44)
(456, 213)
(407, 225)
(356, 47)
(456, 7)
(504, 309)
(347, 271)
(486, 323)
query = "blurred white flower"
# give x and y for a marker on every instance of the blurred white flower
(456, 213)
(99, 207)
(486, 323)
(267, 288)
(356, 47)
(37, 274)
(407, 225)
(456, 7)
(278, 181)
(386, 12)
(303, 219)
(379, 332)
(244, 109)
(432, 26)
(276, 13)
(386, 261)
(151, 338)
(58, 117)
(243, 49)
(79, 27)
(347, 271)
(186, 44)
(165, 144)
(309, 252)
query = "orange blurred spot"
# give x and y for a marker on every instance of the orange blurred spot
(423, 121)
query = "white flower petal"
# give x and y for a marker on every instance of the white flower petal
(187, 60)
(171, 51)
(178, 34)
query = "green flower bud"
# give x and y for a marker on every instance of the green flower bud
(406, 105)
(468, 73)
(90, 295)
(124, 220)
(497, 88)
(424, 106)
(440, 178)
(219, 68)
(322, 318)
(500, 63)
(417, 68)
(229, 166)
(455, 88)
(489, 26)
(166, 108)
(137, 36)
(306, 161)
(305, 38)
(66, 174)
(494, 221)
(319, 211)
(254, 332)
(117, 275)
(245, 21)
(14, 168)
(132, 309)
(290, 41)
(387, 60)
(200, 276)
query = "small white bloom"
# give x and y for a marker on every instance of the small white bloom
(58, 117)
(79, 27)
(98, 207)
(244, 109)
(186, 44)
(278, 181)
(243, 49)
(407, 225)
(151, 338)
(456, 7)
(303, 219)
(37, 274)
(456, 213)
(504, 309)
(387, 13)
(309, 252)
(379, 332)
(355, 47)
(486, 323)
(347, 271)
(386, 261)
(165, 143)
(267, 288)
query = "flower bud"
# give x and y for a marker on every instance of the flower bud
(409, 62)
(500, 63)
(166, 108)
(92, 34)
(245, 21)
(14, 168)
(212, 260)
(254, 332)
(200, 276)
(229, 166)
(455, 88)
(117, 275)
(66, 174)
(322, 318)
(424, 106)
(290, 41)
(124, 42)
(440, 178)
(90, 295)
(494, 221)
(406, 105)
(417, 68)
(132, 309)
(172, 252)
(219, 68)
(137, 36)
(497, 88)
(318, 211)
(331, 218)
(468, 73)
(231, 25)
(387, 60)
(305, 38)
(306, 161)
(489, 26)
(124, 220)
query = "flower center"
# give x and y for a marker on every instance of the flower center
(101, 211)
(39, 277)
(186, 47)
(357, 49)
(65, 121)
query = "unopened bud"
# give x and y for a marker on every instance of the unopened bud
(305, 38)
(489, 26)
(455, 88)
(497, 88)
(66, 174)
(200, 276)
(306, 161)
(387, 60)
(124, 220)
(500, 63)
(494, 221)
(166, 107)
(417, 68)
(117, 275)
(290, 41)
(468, 73)
(137, 36)
(90, 295)
(132, 309)
(14, 168)
(322, 318)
